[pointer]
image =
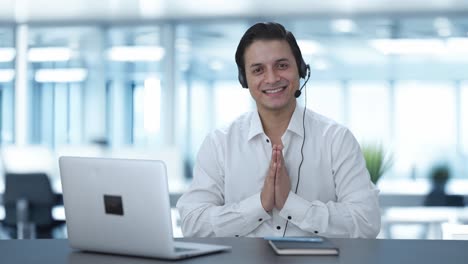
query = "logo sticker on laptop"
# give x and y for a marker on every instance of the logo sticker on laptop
(113, 204)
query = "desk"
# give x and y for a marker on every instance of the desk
(252, 250)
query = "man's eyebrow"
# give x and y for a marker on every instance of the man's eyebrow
(278, 60)
(282, 60)
(255, 65)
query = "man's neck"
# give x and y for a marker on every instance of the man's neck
(275, 123)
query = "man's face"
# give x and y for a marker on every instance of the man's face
(272, 74)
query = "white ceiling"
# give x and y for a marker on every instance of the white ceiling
(121, 10)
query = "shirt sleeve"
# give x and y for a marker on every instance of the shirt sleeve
(356, 212)
(202, 208)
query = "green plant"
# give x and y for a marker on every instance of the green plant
(378, 161)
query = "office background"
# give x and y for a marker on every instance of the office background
(150, 79)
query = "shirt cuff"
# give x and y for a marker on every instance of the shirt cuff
(296, 209)
(253, 212)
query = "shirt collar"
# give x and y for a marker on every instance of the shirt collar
(295, 124)
(256, 127)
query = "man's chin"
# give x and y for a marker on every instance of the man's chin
(276, 107)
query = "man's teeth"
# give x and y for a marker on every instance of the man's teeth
(274, 91)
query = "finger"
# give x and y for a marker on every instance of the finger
(272, 160)
(273, 166)
(279, 155)
(272, 169)
(273, 156)
(278, 168)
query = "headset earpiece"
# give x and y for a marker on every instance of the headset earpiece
(241, 77)
(306, 76)
(303, 68)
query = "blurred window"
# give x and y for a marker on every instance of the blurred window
(137, 86)
(201, 114)
(231, 101)
(147, 112)
(370, 112)
(425, 124)
(7, 79)
(464, 119)
(209, 94)
(59, 71)
(151, 85)
(326, 98)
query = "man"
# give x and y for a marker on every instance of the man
(281, 170)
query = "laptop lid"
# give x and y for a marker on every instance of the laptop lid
(122, 206)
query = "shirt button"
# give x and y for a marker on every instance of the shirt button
(267, 140)
(316, 232)
(260, 219)
(278, 227)
(289, 217)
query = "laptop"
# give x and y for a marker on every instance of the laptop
(121, 206)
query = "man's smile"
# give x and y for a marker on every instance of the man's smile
(275, 90)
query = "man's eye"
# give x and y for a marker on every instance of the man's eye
(256, 70)
(283, 65)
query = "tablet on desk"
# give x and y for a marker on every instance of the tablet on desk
(302, 246)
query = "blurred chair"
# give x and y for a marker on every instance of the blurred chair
(28, 201)
(27, 159)
(438, 196)
(440, 199)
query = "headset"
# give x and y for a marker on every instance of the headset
(302, 67)
(299, 92)
(304, 72)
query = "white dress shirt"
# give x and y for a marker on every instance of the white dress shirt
(335, 197)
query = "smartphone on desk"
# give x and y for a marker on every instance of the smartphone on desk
(318, 246)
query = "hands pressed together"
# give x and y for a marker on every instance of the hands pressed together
(277, 184)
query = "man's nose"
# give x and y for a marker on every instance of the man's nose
(271, 76)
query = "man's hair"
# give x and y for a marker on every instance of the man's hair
(267, 31)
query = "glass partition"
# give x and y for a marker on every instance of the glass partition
(7, 79)
(370, 117)
(136, 85)
(395, 80)
(61, 65)
(425, 125)
(463, 101)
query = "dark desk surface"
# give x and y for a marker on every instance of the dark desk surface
(252, 250)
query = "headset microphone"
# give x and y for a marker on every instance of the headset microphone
(299, 92)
